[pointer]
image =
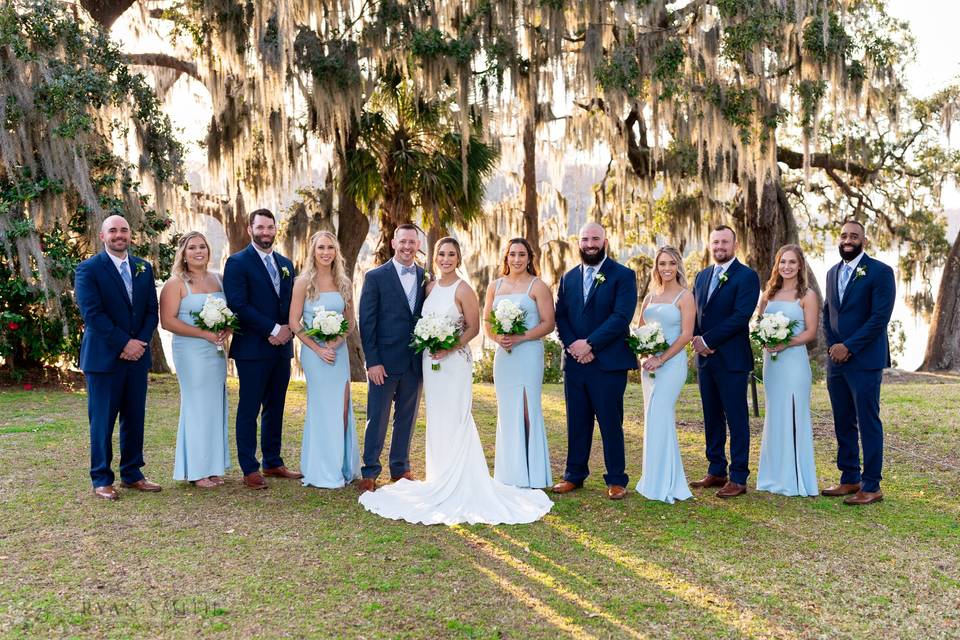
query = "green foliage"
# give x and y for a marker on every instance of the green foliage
(751, 24)
(433, 44)
(668, 68)
(825, 47)
(810, 92)
(737, 106)
(897, 338)
(332, 62)
(620, 71)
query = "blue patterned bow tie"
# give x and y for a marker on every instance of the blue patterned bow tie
(408, 270)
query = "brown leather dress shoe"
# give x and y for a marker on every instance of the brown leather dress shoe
(864, 497)
(141, 485)
(732, 490)
(709, 481)
(106, 493)
(367, 484)
(406, 475)
(616, 492)
(254, 480)
(565, 487)
(282, 472)
(840, 490)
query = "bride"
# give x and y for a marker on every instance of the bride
(458, 487)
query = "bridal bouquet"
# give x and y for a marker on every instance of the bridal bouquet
(215, 316)
(647, 340)
(773, 329)
(508, 319)
(436, 332)
(327, 325)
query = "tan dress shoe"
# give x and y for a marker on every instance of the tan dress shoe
(565, 487)
(840, 490)
(106, 493)
(864, 497)
(732, 490)
(406, 475)
(282, 472)
(709, 481)
(367, 484)
(254, 481)
(616, 492)
(142, 485)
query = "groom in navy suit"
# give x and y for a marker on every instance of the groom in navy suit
(258, 284)
(390, 304)
(596, 301)
(726, 296)
(860, 295)
(117, 297)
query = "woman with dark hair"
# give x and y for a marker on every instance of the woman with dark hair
(786, 464)
(202, 453)
(522, 457)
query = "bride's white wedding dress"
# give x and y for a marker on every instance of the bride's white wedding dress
(458, 488)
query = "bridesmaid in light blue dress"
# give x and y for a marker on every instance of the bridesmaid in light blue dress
(522, 457)
(787, 465)
(672, 306)
(329, 457)
(202, 455)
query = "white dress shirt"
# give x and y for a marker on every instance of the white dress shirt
(268, 255)
(408, 281)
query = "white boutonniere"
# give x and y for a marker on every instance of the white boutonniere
(139, 267)
(599, 279)
(860, 272)
(427, 278)
(722, 280)
(285, 272)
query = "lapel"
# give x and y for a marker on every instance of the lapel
(113, 273)
(596, 283)
(730, 272)
(833, 288)
(421, 289)
(262, 269)
(864, 263)
(702, 285)
(394, 278)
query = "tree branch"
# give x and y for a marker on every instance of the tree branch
(166, 61)
(794, 160)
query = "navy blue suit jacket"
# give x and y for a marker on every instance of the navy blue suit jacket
(386, 323)
(603, 318)
(250, 295)
(723, 321)
(860, 321)
(110, 320)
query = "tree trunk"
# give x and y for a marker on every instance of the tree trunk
(158, 362)
(352, 229)
(531, 216)
(384, 251)
(943, 341)
(106, 12)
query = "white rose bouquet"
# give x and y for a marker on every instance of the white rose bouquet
(327, 325)
(508, 319)
(647, 340)
(772, 330)
(215, 316)
(436, 332)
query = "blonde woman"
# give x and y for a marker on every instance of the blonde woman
(202, 453)
(329, 457)
(670, 304)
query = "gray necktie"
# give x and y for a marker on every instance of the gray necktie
(587, 282)
(127, 279)
(845, 272)
(412, 292)
(272, 270)
(714, 281)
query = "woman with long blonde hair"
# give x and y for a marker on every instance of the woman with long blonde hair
(330, 457)
(786, 464)
(202, 453)
(671, 305)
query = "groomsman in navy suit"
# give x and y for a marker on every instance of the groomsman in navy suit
(390, 303)
(596, 301)
(860, 297)
(258, 283)
(727, 296)
(117, 297)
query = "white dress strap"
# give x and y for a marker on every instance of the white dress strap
(186, 283)
(496, 288)
(530, 286)
(675, 300)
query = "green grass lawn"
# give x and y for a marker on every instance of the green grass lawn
(296, 562)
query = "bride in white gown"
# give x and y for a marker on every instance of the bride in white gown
(458, 488)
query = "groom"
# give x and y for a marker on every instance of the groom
(726, 298)
(258, 284)
(856, 310)
(390, 304)
(595, 303)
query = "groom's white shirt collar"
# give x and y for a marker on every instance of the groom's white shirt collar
(119, 261)
(724, 265)
(853, 263)
(409, 280)
(596, 269)
(263, 254)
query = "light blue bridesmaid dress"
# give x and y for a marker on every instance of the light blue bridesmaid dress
(202, 448)
(663, 477)
(522, 458)
(330, 457)
(786, 464)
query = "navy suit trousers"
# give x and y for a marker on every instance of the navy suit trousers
(123, 393)
(403, 392)
(855, 397)
(593, 393)
(263, 393)
(724, 398)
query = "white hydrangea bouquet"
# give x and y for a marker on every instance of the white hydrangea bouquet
(773, 329)
(215, 316)
(508, 319)
(647, 340)
(327, 325)
(436, 332)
